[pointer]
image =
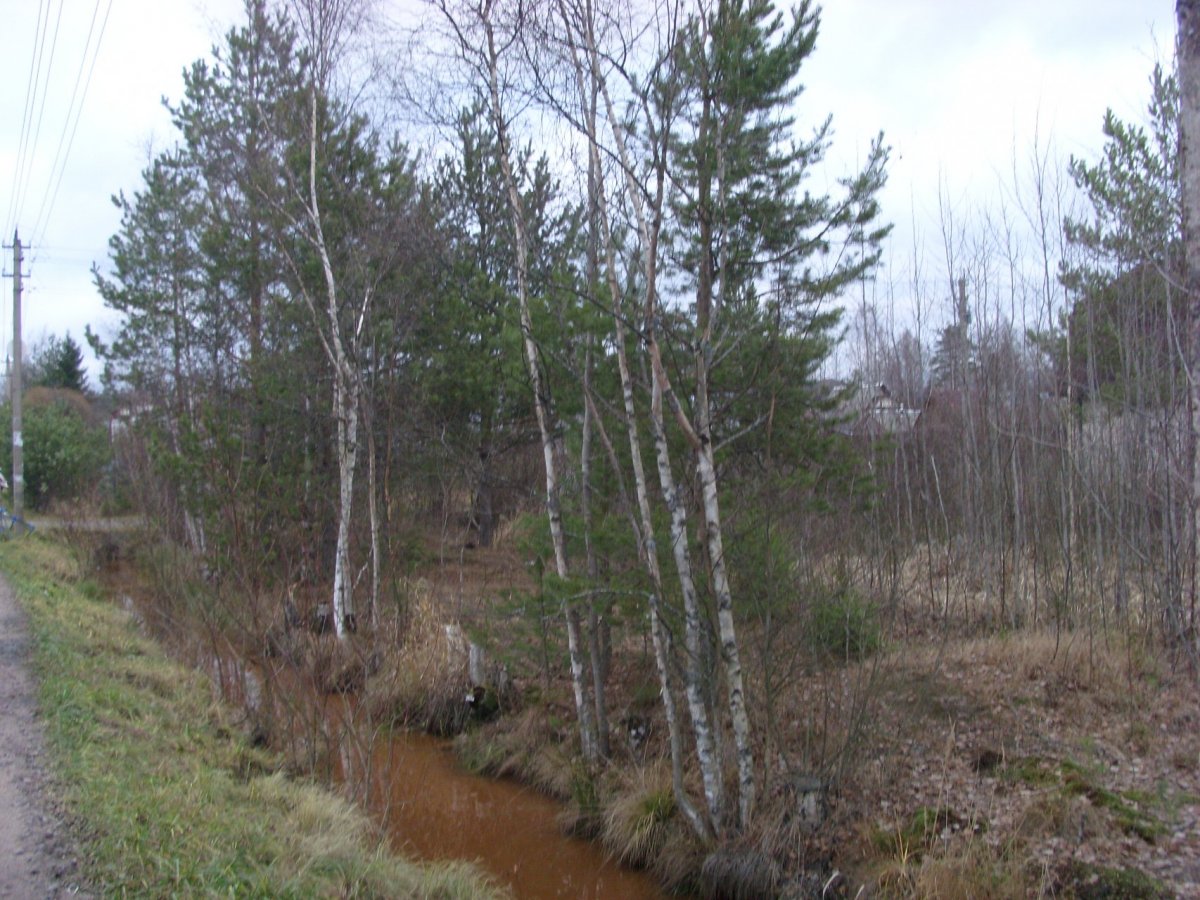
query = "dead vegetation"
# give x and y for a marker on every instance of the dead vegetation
(997, 766)
(955, 757)
(950, 759)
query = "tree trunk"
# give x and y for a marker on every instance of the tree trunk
(597, 623)
(541, 402)
(664, 652)
(345, 398)
(1188, 15)
(345, 412)
(711, 200)
(694, 689)
(373, 511)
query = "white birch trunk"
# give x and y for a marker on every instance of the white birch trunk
(710, 764)
(587, 730)
(706, 749)
(373, 513)
(710, 202)
(660, 635)
(595, 620)
(707, 309)
(345, 398)
(345, 411)
(730, 657)
(648, 548)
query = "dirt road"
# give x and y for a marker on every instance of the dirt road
(37, 855)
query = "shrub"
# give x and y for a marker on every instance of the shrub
(841, 623)
(64, 453)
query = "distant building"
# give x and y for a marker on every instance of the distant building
(878, 416)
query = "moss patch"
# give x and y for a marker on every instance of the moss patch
(1075, 780)
(916, 837)
(1089, 882)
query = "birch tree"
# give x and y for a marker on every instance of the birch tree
(579, 22)
(748, 242)
(484, 40)
(353, 259)
(645, 178)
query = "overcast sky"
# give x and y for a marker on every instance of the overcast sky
(958, 87)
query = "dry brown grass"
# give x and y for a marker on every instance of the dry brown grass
(973, 870)
(524, 746)
(739, 872)
(961, 591)
(638, 809)
(1045, 743)
(679, 859)
(962, 687)
(423, 684)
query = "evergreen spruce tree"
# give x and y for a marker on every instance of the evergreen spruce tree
(60, 365)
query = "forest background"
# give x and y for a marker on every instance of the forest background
(592, 333)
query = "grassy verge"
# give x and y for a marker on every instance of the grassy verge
(170, 797)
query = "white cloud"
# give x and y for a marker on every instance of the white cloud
(958, 87)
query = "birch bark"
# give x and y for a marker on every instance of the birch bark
(580, 34)
(711, 203)
(710, 769)
(326, 26)
(491, 62)
(345, 395)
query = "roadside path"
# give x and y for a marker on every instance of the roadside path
(37, 855)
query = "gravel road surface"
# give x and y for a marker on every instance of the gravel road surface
(37, 854)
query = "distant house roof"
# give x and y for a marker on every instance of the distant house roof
(880, 416)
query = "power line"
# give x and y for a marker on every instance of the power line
(27, 114)
(51, 195)
(31, 153)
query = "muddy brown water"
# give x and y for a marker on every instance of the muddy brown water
(431, 807)
(435, 810)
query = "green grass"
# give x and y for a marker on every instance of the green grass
(913, 839)
(170, 798)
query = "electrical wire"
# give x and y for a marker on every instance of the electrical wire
(50, 198)
(42, 77)
(26, 116)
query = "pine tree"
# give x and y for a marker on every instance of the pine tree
(751, 241)
(954, 356)
(1128, 256)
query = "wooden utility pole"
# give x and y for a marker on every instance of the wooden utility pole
(1187, 14)
(18, 480)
